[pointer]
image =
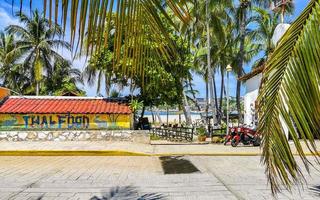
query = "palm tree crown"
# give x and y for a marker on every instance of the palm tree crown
(11, 72)
(37, 42)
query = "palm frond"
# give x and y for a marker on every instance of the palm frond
(136, 21)
(289, 99)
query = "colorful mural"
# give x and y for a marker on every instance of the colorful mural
(65, 121)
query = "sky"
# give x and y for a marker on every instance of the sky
(7, 17)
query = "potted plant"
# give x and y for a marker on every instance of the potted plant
(202, 134)
(135, 105)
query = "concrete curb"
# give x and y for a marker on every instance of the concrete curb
(70, 153)
(208, 154)
(117, 153)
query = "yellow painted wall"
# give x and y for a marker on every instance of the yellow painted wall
(64, 121)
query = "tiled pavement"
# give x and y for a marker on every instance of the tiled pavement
(134, 177)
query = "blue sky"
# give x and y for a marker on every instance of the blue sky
(7, 18)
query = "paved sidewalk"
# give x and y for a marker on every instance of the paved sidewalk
(138, 148)
(128, 178)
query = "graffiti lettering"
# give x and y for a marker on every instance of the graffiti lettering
(64, 121)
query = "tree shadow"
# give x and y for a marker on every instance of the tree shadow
(177, 165)
(128, 193)
(315, 190)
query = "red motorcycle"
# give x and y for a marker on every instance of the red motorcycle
(246, 136)
(229, 137)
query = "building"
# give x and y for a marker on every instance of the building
(252, 82)
(58, 112)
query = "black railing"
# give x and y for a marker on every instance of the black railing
(174, 133)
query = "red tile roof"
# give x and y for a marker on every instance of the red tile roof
(61, 105)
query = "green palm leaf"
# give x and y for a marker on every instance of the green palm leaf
(136, 22)
(290, 95)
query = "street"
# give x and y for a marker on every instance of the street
(141, 178)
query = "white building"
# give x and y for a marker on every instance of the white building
(252, 82)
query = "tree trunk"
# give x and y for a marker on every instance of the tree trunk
(167, 115)
(211, 92)
(207, 101)
(186, 109)
(211, 101)
(215, 94)
(221, 96)
(195, 100)
(241, 56)
(159, 117)
(142, 112)
(152, 114)
(37, 89)
(108, 85)
(238, 98)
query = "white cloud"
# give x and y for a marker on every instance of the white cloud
(6, 19)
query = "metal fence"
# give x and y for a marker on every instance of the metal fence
(174, 133)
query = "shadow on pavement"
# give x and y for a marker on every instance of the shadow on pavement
(128, 193)
(177, 165)
(315, 190)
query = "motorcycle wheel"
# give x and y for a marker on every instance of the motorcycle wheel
(226, 141)
(257, 142)
(234, 143)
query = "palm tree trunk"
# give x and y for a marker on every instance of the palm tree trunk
(241, 56)
(211, 101)
(195, 100)
(37, 88)
(167, 115)
(221, 96)
(158, 115)
(179, 116)
(142, 112)
(207, 101)
(152, 114)
(108, 85)
(215, 94)
(186, 108)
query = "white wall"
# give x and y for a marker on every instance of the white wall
(252, 91)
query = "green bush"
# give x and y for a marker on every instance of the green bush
(217, 140)
(201, 131)
(154, 137)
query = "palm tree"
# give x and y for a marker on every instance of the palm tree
(37, 42)
(63, 79)
(100, 69)
(12, 74)
(267, 23)
(242, 13)
(289, 98)
(209, 21)
(134, 20)
(209, 70)
(290, 92)
(243, 21)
